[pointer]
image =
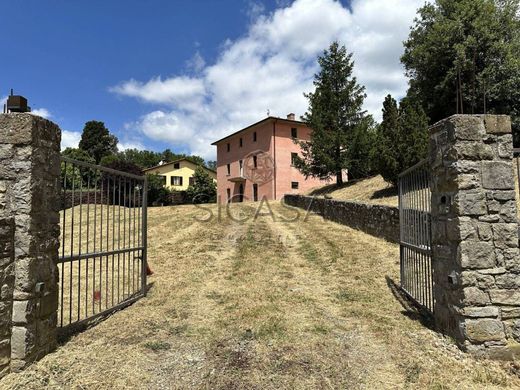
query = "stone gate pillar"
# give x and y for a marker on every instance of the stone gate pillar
(476, 260)
(29, 175)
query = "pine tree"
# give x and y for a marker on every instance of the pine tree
(334, 113)
(97, 141)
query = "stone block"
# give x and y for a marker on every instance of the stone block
(470, 203)
(476, 254)
(485, 233)
(486, 329)
(510, 312)
(475, 296)
(23, 342)
(468, 150)
(497, 124)
(505, 235)
(497, 175)
(482, 311)
(505, 297)
(26, 311)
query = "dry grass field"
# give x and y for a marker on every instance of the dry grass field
(263, 304)
(370, 190)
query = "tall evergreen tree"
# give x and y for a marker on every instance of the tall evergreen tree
(334, 113)
(463, 57)
(97, 141)
(402, 138)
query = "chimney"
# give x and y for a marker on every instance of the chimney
(290, 116)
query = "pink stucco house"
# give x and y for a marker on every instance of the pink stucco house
(255, 162)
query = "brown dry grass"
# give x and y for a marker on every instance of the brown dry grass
(370, 190)
(263, 304)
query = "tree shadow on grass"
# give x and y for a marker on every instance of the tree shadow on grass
(411, 309)
(333, 187)
(384, 193)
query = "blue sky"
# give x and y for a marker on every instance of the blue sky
(180, 74)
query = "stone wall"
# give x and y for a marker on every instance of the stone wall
(29, 179)
(377, 220)
(475, 234)
(6, 291)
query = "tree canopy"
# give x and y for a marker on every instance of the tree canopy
(463, 57)
(203, 189)
(97, 141)
(335, 113)
(402, 138)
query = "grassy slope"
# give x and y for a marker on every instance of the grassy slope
(263, 304)
(370, 190)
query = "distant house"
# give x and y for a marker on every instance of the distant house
(257, 161)
(178, 174)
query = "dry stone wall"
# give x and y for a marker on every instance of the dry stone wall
(377, 220)
(475, 234)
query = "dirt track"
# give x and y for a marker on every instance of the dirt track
(262, 304)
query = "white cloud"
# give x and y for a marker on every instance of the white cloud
(70, 139)
(197, 62)
(130, 145)
(271, 66)
(43, 112)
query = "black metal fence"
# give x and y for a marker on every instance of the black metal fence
(103, 242)
(415, 234)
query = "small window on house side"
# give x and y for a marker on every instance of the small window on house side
(254, 136)
(228, 147)
(255, 163)
(176, 180)
(294, 185)
(241, 143)
(192, 181)
(228, 192)
(294, 132)
(229, 169)
(293, 158)
(176, 165)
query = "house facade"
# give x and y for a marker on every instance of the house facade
(178, 174)
(256, 162)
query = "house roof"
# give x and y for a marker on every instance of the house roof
(176, 161)
(265, 120)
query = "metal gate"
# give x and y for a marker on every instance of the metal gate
(415, 234)
(102, 261)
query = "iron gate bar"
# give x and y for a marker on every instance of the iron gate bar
(117, 189)
(415, 235)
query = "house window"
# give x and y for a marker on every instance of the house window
(229, 169)
(228, 147)
(228, 192)
(241, 167)
(192, 181)
(294, 185)
(176, 165)
(163, 180)
(241, 143)
(294, 156)
(255, 163)
(254, 136)
(255, 192)
(294, 132)
(176, 180)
